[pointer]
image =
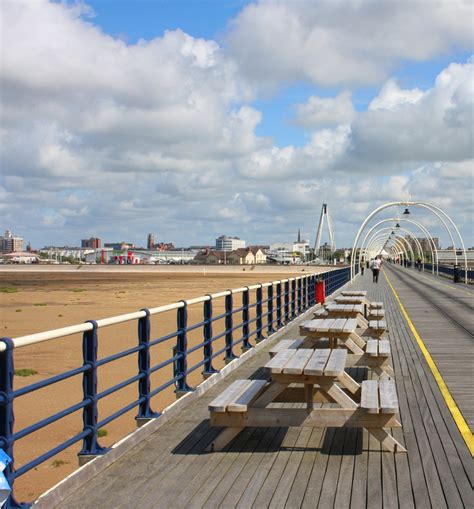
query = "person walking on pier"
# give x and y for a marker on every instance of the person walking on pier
(375, 266)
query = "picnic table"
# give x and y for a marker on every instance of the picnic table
(343, 329)
(334, 310)
(354, 293)
(320, 376)
(363, 351)
(350, 299)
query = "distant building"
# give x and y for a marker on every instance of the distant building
(209, 257)
(225, 243)
(119, 246)
(247, 256)
(150, 242)
(92, 243)
(164, 246)
(9, 243)
(242, 256)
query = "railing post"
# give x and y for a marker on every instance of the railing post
(229, 323)
(145, 413)
(305, 293)
(208, 350)
(7, 417)
(278, 309)
(293, 299)
(300, 296)
(270, 328)
(245, 320)
(259, 318)
(90, 445)
(287, 301)
(181, 364)
(313, 291)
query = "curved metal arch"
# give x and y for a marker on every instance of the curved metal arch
(417, 242)
(399, 239)
(411, 221)
(432, 208)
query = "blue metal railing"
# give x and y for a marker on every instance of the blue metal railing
(449, 271)
(284, 301)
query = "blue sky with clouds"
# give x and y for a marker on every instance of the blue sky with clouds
(196, 118)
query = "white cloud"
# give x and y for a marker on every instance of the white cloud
(334, 42)
(392, 96)
(101, 137)
(317, 111)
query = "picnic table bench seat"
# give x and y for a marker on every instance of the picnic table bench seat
(376, 314)
(285, 344)
(378, 348)
(320, 313)
(379, 396)
(237, 396)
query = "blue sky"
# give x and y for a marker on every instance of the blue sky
(192, 119)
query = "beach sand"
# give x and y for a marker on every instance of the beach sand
(49, 297)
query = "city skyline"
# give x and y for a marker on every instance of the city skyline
(198, 118)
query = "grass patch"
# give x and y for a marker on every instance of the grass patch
(18, 310)
(8, 289)
(40, 304)
(102, 432)
(60, 316)
(25, 372)
(59, 463)
(78, 290)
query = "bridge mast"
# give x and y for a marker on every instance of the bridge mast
(317, 244)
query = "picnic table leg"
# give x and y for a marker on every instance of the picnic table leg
(223, 439)
(386, 440)
(339, 396)
(308, 392)
(269, 395)
(384, 371)
(357, 340)
(349, 383)
(352, 347)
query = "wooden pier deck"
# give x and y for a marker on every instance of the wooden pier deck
(304, 467)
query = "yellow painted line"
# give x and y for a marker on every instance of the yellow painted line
(448, 286)
(453, 408)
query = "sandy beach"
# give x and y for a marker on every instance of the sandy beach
(39, 298)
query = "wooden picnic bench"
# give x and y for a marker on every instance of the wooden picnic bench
(334, 329)
(246, 403)
(375, 328)
(354, 293)
(334, 310)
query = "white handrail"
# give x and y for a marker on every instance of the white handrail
(40, 337)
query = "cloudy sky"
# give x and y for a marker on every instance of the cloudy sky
(192, 119)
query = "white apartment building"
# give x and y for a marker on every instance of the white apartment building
(225, 243)
(10, 243)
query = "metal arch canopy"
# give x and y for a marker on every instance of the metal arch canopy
(417, 242)
(432, 245)
(399, 239)
(432, 208)
(405, 241)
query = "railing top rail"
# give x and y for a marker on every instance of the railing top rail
(40, 337)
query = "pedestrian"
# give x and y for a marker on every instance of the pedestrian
(375, 266)
(418, 264)
(362, 267)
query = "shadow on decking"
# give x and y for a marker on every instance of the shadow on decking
(336, 442)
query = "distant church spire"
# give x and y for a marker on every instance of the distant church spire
(299, 235)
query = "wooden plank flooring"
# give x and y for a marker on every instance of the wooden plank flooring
(303, 467)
